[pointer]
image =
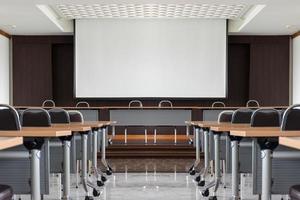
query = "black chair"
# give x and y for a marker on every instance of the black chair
(9, 120)
(266, 118)
(59, 116)
(35, 117)
(75, 116)
(6, 192)
(225, 116)
(291, 121)
(242, 116)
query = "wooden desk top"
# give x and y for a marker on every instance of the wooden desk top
(78, 127)
(293, 142)
(94, 124)
(264, 132)
(8, 142)
(215, 126)
(208, 124)
(226, 127)
(193, 123)
(36, 132)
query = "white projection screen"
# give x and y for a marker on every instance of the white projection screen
(150, 58)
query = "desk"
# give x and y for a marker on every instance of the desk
(100, 126)
(266, 160)
(217, 129)
(35, 153)
(83, 129)
(292, 142)
(8, 142)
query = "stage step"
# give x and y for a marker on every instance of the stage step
(150, 139)
(150, 151)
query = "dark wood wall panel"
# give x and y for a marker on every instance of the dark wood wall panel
(269, 77)
(257, 69)
(32, 73)
(238, 73)
(63, 62)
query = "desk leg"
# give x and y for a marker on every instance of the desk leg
(203, 173)
(66, 186)
(84, 162)
(197, 162)
(193, 168)
(97, 172)
(227, 152)
(216, 182)
(35, 174)
(235, 169)
(103, 152)
(84, 177)
(217, 163)
(266, 174)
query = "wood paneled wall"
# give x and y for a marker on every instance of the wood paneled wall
(258, 68)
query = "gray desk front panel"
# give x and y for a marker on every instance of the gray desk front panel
(150, 117)
(89, 115)
(211, 115)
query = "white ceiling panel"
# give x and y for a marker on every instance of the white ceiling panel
(22, 17)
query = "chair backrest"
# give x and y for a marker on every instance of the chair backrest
(265, 117)
(75, 116)
(242, 115)
(59, 116)
(225, 116)
(86, 104)
(36, 117)
(281, 112)
(252, 103)
(9, 118)
(164, 102)
(134, 102)
(291, 118)
(48, 101)
(218, 104)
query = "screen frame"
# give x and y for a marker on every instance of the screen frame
(150, 98)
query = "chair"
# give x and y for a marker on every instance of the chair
(252, 103)
(240, 116)
(266, 118)
(9, 121)
(35, 117)
(218, 104)
(290, 121)
(11, 166)
(6, 192)
(263, 118)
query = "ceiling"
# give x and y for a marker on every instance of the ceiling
(24, 17)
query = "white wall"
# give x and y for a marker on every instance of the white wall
(296, 70)
(4, 70)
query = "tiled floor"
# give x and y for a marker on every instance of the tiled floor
(142, 179)
(149, 186)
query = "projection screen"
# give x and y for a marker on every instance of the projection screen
(150, 58)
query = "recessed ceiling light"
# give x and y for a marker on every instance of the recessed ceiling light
(152, 10)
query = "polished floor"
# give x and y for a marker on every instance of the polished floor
(150, 186)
